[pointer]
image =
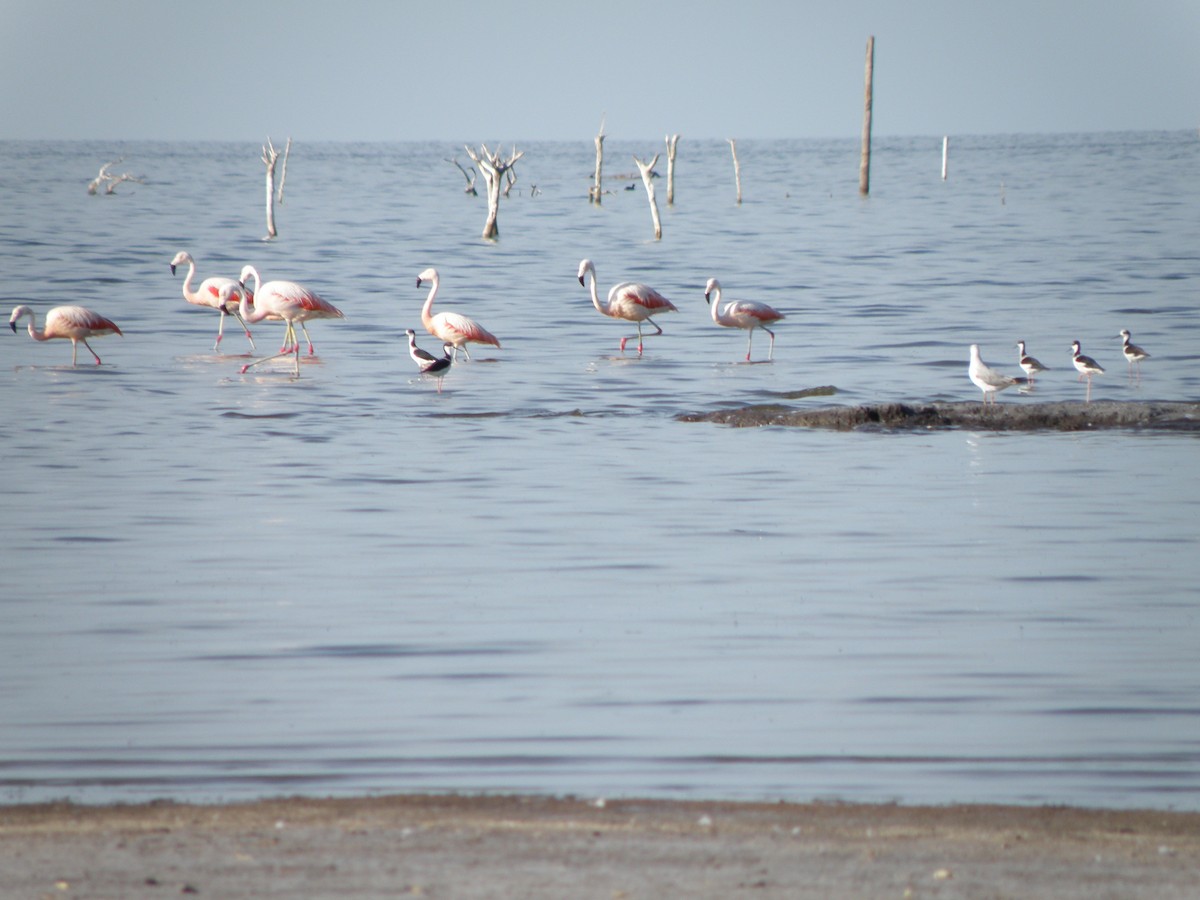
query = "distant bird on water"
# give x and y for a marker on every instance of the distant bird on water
(73, 323)
(1133, 353)
(286, 300)
(987, 379)
(748, 314)
(628, 300)
(1085, 364)
(1031, 366)
(451, 327)
(209, 294)
(427, 362)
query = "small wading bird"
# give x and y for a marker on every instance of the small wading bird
(73, 323)
(1085, 364)
(209, 295)
(628, 300)
(987, 379)
(451, 327)
(1133, 353)
(426, 361)
(286, 300)
(748, 314)
(1031, 366)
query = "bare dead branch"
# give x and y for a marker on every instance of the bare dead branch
(468, 175)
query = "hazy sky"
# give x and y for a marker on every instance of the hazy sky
(528, 69)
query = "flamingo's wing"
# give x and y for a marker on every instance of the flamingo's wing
(753, 311)
(631, 300)
(450, 325)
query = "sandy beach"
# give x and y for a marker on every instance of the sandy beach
(540, 847)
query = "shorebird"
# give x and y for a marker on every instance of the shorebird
(73, 323)
(451, 327)
(1133, 353)
(1085, 364)
(1031, 366)
(209, 294)
(427, 362)
(748, 314)
(987, 379)
(286, 300)
(628, 300)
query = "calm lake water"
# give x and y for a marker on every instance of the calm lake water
(217, 586)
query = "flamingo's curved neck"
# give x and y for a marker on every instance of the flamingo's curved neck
(248, 313)
(33, 329)
(595, 296)
(427, 309)
(188, 294)
(716, 304)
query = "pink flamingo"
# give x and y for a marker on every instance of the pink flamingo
(208, 293)
(288, 301)
(451, 327)
(628, 300)
(748, 314)
(72, 322)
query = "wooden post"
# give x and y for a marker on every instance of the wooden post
(945, 154)
(737, 169)
(594, 191)
(270, 156)
(672, 143)
(864, 167)
(646, 169)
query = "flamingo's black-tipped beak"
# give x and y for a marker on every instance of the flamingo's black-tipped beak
(418, 282)
(706, 297)
(172, 268)
(13, 326)
(581, 282)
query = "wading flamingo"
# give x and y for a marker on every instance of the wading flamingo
(748, 314)
(208, 293)
(426, 361)
(987, 379)
(1031, 366)
(1133, 353)
(450, 327)
(285, 300)
(74, 323)
(628, 300)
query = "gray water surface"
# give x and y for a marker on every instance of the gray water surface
(224, 586)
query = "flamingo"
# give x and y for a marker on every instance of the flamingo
(748, 314)
(1133, 353)
(451, 327)
(628, 300)
(426, 361)
(288, 301)
(208, 295)
(72, 322)
(1031, 366)
(988, 379)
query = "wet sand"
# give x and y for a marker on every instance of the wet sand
(1057, 416)
(539, 847)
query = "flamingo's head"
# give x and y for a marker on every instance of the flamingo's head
(585, 266)
(182, 258)
(713, 285)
